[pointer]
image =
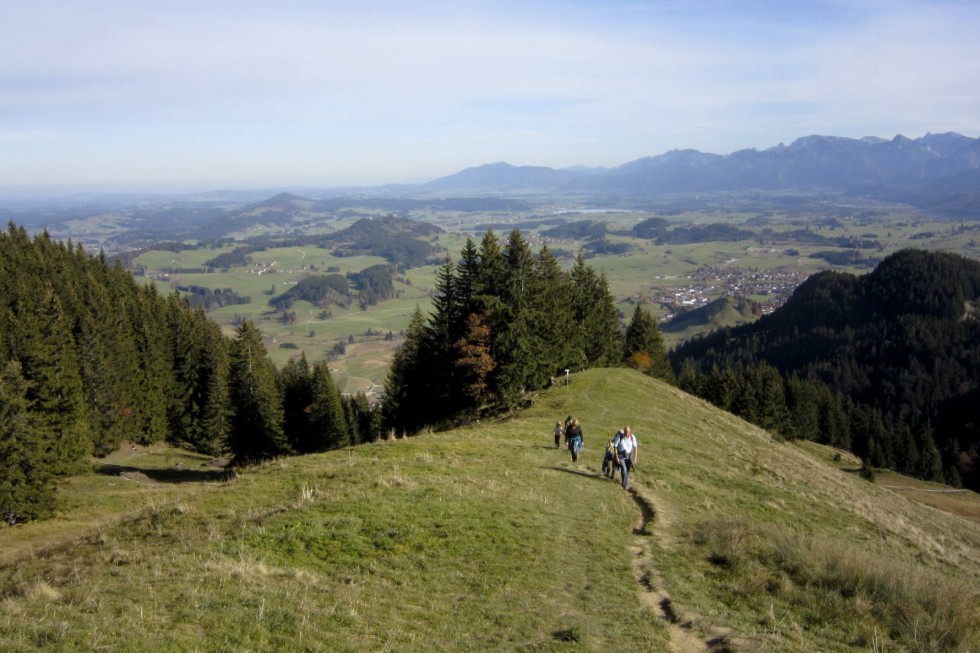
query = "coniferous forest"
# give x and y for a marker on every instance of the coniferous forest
(886, 365)
(504, 321)
(90, 359)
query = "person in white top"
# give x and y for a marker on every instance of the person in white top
(625, 450)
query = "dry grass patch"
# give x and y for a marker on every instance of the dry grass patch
(826, 582)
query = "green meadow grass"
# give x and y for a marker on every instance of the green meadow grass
(281, 269)
(488, 538)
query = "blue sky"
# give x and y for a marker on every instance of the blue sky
(181, 96)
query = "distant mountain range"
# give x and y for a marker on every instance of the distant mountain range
(939, 173)
(936, 171)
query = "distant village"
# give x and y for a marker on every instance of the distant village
(768, 288)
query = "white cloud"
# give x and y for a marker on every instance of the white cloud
(335, 89)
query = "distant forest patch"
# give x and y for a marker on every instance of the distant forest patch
(209, 299)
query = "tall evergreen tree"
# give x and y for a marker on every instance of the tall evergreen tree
(598, 339)
(511, 328)
(41, 341)
(154, 371)
(296, 388)
(328, 421)
(198, 396)
(405, 389)
(552, 318)
(256, 424)
(366, 417)
(441, 332)
(26, 480)
(930, 462)
(643, 338)
(467, 278)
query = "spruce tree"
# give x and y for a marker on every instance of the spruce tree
(405, 391)
(366, 416)
(643, 337)
(328, 421)
(551, 316)
(512, 329)
(598, 339)
(930, 462)
(256, 424)
(296, 389)
(154, 373)
(26, 476)
(444, 327)
(467, 278)
(198, 395)
(41, 341)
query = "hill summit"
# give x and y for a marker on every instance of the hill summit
(487, 537)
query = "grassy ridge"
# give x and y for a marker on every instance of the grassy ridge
(486, 538)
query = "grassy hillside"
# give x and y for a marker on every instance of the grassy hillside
(487, 538)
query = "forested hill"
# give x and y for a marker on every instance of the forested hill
(89, 359)
(899, 347)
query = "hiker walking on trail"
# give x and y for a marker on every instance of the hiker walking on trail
(573, 435)
(568, 426)
(558, 431)
(625, 452)
(609, 465)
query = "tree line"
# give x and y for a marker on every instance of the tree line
(89, 358)
(506, 322)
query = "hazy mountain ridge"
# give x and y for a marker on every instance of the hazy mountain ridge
(505, 177)
(809, 163)
(936, 172)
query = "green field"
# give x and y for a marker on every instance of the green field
(648, 273)
(487, 538)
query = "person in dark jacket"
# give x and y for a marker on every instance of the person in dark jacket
(573, 434)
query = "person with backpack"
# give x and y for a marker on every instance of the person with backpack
(609, 457)
(625, 452)
(573, 434)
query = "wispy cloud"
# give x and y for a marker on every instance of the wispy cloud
(382, 91)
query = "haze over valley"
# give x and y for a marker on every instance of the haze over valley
(316, 320)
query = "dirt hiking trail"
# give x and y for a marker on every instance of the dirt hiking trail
(688, 632)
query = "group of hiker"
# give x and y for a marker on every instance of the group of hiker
(620, 454)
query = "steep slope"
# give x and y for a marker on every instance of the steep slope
(903, 339)
(487, 538)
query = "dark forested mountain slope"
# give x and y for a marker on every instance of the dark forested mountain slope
(902, 341)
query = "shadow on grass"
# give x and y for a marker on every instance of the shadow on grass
(578, 472)
(165, 475)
